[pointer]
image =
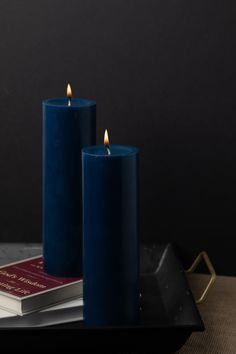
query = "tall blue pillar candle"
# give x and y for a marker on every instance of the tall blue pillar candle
(110, 235)
(68, 126)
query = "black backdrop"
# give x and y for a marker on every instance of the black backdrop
(163, 74)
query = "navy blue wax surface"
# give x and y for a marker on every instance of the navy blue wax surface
(75, 102)
(66, 130)
(110, 235)
(116, 150)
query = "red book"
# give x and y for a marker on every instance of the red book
(24, 287)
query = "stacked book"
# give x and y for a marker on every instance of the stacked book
(31, 298)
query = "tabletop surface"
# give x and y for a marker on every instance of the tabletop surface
(218, 311)
(11, 252)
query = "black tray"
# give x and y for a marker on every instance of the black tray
(168, 317)
(169, 313)
(168, 307)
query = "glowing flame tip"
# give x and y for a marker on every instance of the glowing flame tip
(69, 91)
(106, 138)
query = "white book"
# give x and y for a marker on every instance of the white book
(70, 311)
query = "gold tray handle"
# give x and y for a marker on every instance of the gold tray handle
(203, 256)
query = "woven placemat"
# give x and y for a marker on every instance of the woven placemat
(219, 316)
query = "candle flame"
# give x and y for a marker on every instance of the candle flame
(106, 139)
(69, 91)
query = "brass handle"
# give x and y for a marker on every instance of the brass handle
(203, 256)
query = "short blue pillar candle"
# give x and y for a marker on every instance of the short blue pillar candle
(68, 126)
(110, 235)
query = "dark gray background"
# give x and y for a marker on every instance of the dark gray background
(163, 74)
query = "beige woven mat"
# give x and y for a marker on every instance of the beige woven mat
(219, 316)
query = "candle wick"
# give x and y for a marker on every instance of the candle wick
(69, 101)
(108, 149)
